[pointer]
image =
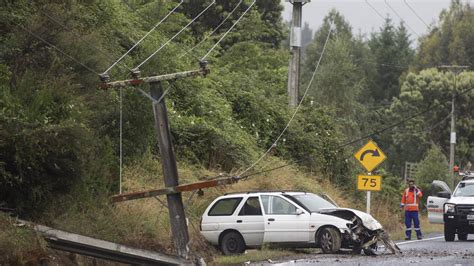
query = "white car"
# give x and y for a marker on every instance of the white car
(238, 221)
(455, 210)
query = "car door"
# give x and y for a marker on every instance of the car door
(284, 220)
(435, 204)
(249, 221)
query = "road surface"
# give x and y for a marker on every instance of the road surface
(432, 250)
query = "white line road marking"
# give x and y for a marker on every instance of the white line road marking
(416, 241)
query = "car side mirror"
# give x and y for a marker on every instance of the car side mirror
(299, 211)
(444, 194)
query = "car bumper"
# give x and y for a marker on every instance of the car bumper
(460, 222)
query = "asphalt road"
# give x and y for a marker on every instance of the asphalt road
(432, 250)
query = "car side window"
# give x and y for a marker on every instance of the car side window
(277, 205)
(281, 206)
(251, 207)
(224, 207)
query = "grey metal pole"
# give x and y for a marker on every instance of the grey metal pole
(179, 228)
(295, 50)
(452, 139)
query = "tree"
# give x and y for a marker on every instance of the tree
(434, 166)
(428, 94)
(392, 55)
(306, 38)
(451, 41)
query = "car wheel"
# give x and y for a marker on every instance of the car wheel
(232, 243)
(330, 240)
(462, 237)
(449, 232)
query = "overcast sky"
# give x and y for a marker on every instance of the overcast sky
(365, 19)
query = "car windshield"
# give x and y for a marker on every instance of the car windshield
(312, 202)
(465, 190)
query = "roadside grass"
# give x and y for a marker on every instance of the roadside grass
(19, 245)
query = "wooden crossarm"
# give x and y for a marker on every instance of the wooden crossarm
(172, 190)
(137, 81)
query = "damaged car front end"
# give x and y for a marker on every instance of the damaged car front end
(364, 232)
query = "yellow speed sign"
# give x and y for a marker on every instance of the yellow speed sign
(369, 182)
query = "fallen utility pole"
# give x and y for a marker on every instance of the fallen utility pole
(176, 212)
(174, 189)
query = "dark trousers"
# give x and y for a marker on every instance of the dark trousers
(409, 216)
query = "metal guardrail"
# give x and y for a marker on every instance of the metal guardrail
(97, 248)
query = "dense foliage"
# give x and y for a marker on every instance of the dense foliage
(59, 134)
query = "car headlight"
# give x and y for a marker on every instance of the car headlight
(449, 208)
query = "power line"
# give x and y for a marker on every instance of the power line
(376, 11)
(416, 14)
(58, 49)
(225, 34)
(400, 17)
(174, 36)
(143, 38)
(213, 31)
(297, 107)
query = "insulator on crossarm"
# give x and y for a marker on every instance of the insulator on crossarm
(135, 73)
(104, 77)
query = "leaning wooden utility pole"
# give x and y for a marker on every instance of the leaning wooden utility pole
(177, 216)
(295, 50)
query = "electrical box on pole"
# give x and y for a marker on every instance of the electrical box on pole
(295, 50)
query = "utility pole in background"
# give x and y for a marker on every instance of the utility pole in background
(452, 138)
(295, 50)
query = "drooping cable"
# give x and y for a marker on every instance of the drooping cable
(174, 36)
(297, 107)
(401, 19)
(143, 37)
(213, 31)
(121, 139)
(225, 34)
(416, 14)
(58, 49)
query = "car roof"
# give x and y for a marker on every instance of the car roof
(276, 192)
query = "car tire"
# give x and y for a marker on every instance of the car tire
(462, 237)
(329, 240)
(232, 243)
(449, 232)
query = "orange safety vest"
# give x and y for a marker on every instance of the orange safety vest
(410, 199)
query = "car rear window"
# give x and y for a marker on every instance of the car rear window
(224, 207)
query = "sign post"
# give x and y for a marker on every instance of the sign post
(369, 156)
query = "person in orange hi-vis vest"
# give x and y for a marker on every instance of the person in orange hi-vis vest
(410, 199)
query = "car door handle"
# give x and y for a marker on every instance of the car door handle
(271, 219)
(239, 221)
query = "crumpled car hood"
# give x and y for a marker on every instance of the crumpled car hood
(367, 219)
